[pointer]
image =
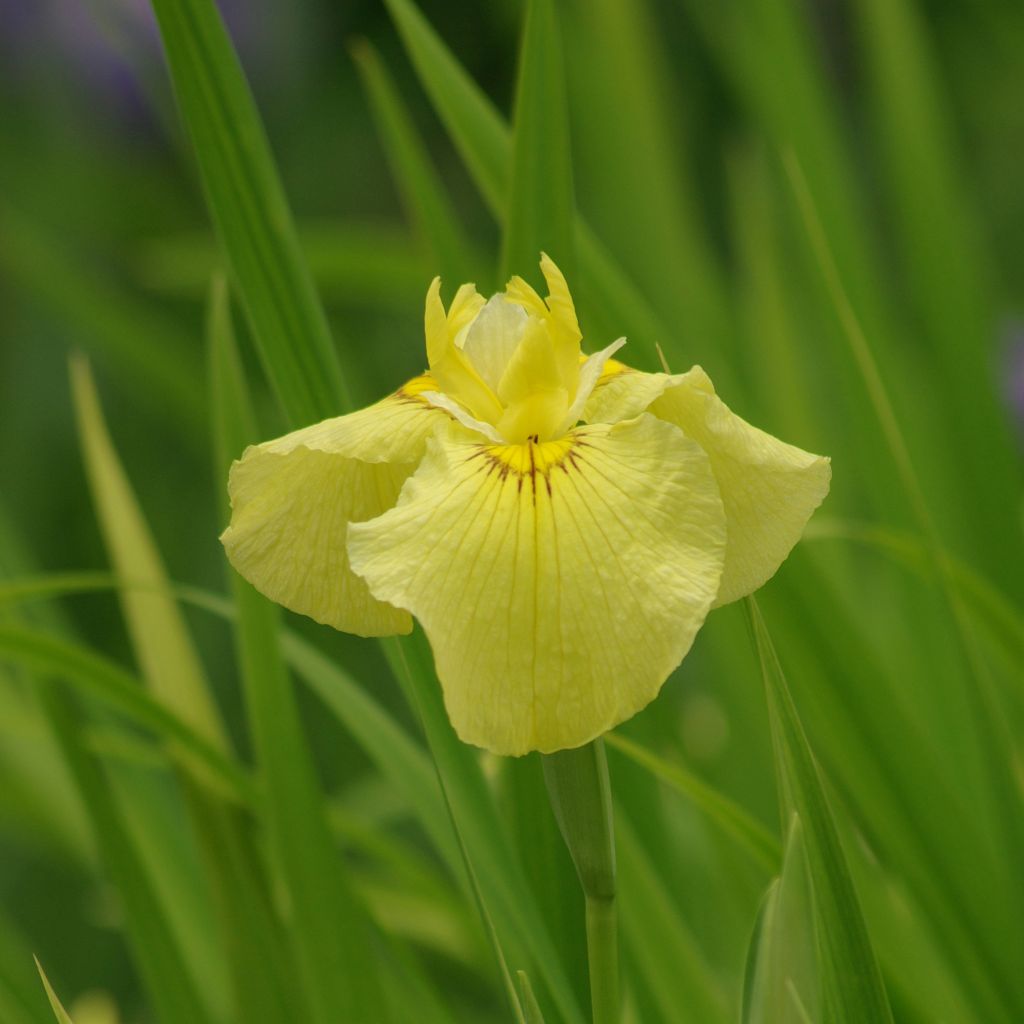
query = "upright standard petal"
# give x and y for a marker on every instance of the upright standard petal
(292, 501)
(559, 582)
(451, 369)
(769, 488)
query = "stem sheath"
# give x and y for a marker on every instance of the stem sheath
(580, 794)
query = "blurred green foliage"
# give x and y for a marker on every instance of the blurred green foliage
(817, 201)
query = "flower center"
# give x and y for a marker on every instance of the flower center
(510, 367)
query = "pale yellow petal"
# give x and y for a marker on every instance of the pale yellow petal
(293, 498)
(559, 583)
(537, 415)
(435, 323)
(623, 393)
(769, 488)
(533, 389)
(457, 412)
(591, 371)
(492, 338)
(466, 305)
(559, 298)
(522, 292)
(565, 329)
(453, 372)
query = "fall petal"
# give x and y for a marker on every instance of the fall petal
(559, 583)
(293, 499)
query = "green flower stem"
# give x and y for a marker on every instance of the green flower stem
(580, 794)
(603, 954)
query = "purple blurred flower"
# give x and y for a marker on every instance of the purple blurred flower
(102, 44)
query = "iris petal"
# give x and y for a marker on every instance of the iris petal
(769, 488)
(293, 499)
(559, 583)
(454, 373)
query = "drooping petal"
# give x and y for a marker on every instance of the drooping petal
(769, 488)
(293, 498)
(559, 583)
(457, 412)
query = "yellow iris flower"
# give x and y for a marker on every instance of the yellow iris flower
(559, 525)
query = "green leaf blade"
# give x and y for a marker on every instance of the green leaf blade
(540, 206)
(55, 1004)
(424, 196)
(668, 958)
(782, 979)
(854, 990)
(250, 211)
(329, 926)
(485, 144)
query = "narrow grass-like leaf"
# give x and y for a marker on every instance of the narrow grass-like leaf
(181, 971)
(893, 777)
(261, 966)
(406, 767)
(38, 799)
(636, 168)
(249, 209)
(948, 271)
(902, 801)
(673, 970)
(485, 143)
(482, 138)
(755, 839)
(161, 643)
(44, 653)
(410, 895)
(772, 56)
(773, 364)
(991, 732)
(526, 808)
(782, 983)
(345, 698)
(540, 206)
(171, 982)
(400, 759)
(425, 198)
(1000, 614)
(58, 1010)
(531, 1009)
(18, 589)
(330, 929)
(852, 982)
(916, 969)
